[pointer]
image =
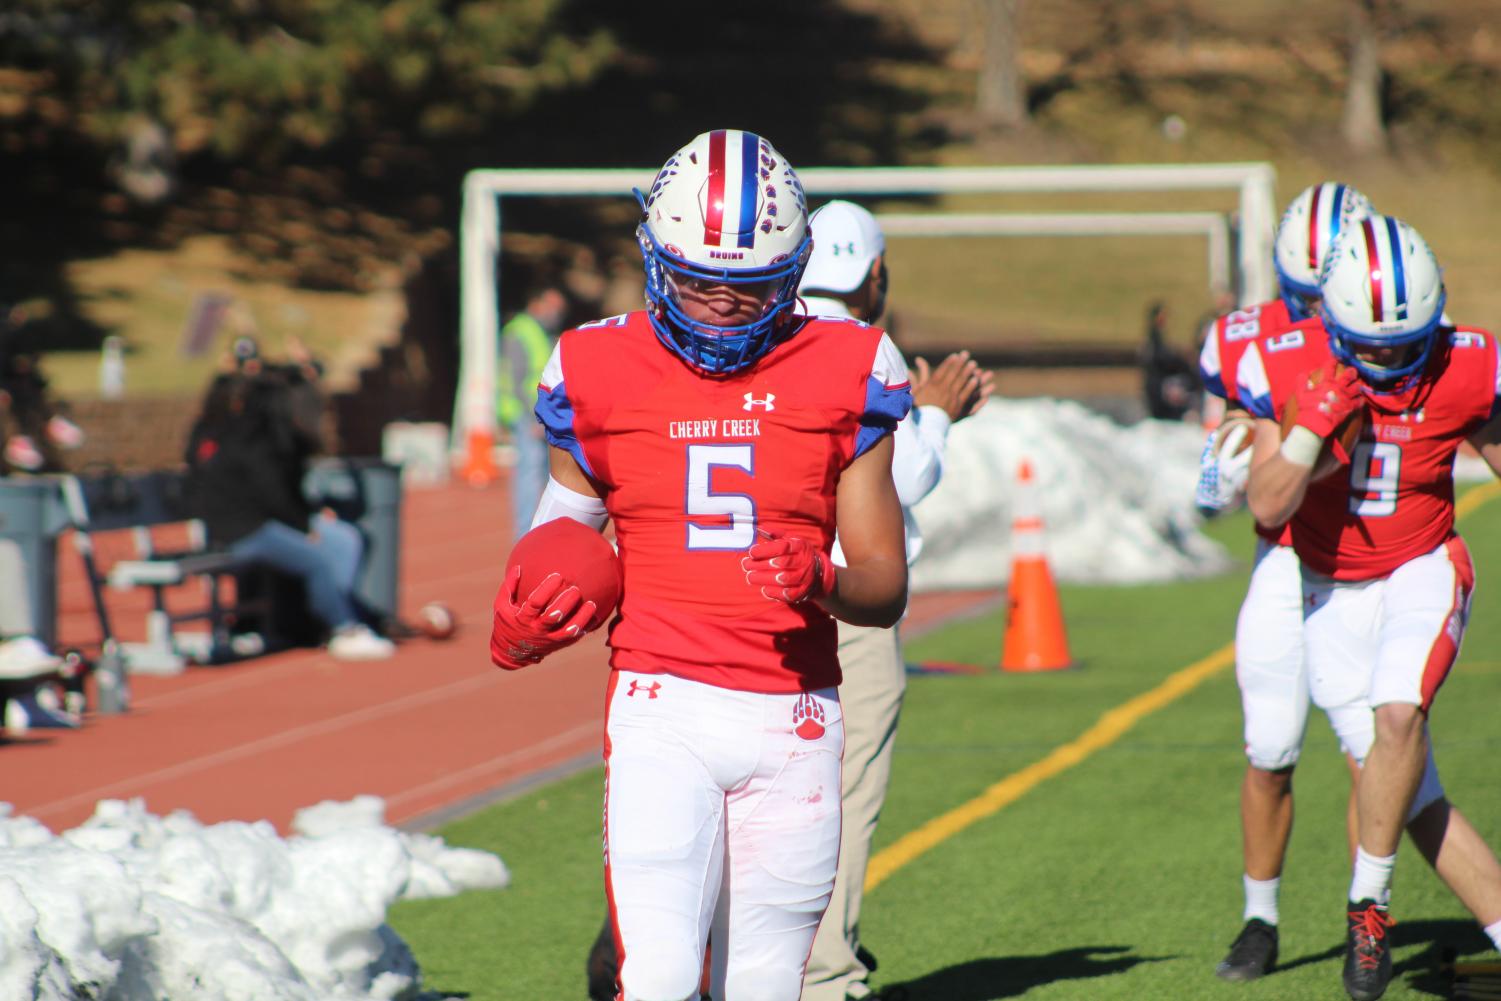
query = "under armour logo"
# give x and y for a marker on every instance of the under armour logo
(650, 690)
(752, 403)
(848, 248)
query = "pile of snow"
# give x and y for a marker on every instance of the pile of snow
(1117, 502)
(133, 907)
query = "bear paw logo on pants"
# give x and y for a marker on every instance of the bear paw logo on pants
(807, 718)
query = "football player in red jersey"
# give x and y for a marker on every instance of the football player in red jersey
(1269, 665)
(1386, 580)
(727, 437)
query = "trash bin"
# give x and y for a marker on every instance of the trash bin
(366, 492)
(33, 516)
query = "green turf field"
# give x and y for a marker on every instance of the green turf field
(1118, 877)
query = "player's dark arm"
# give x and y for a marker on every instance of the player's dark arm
(1487, 442)
(1278, 483)
(564, 468)
(872, 589)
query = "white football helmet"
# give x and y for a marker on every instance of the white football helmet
(1382, 289)
(727, 209)
(1309, 227)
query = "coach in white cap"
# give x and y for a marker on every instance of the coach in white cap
(846, 276)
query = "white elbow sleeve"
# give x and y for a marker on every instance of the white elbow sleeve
(1301, 447)
(559, 501)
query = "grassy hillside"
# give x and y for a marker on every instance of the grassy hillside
(1259, 80)
(149, 296)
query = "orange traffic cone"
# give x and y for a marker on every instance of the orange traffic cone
(479, 458)
(1035, 639)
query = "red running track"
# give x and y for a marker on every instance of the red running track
(432, 731)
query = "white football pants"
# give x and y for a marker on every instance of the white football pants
(1390, 640)
(1269, 665)
(722, 808)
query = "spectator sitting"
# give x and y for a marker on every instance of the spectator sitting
(247, 456)
(27, 667)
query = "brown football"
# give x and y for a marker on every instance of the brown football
(436, 621)
(1347, 433)
(1227, 428)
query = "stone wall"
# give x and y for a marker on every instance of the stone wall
(132, 434)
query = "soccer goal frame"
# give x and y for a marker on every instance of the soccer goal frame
(1250, 230)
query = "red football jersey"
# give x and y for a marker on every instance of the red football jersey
(1228, 338)
(1395, 501)
(694, 467)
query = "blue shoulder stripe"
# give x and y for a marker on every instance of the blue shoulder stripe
(555, 413)
(885, 406)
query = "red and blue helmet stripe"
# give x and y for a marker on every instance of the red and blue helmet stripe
(1313, 228)
(1329, 207)
(712, 216)
(1335, 209)
(1399, 277)
(1387, 287)
(733, 186)
(1388, 278)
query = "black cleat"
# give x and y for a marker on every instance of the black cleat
(1252, 954)
(866, 957)
(603, 966)
(1368, 957)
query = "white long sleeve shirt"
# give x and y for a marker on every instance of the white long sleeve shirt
(917, 449)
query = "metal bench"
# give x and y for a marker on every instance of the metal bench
(137, 504)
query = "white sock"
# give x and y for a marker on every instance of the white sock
(1373, 877)
(1261, 898)
(1494, 931)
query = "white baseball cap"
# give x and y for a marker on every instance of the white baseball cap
(846, 241)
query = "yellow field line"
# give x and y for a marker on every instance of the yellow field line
(1474, 498)
(1106, 731)
(1008, 790)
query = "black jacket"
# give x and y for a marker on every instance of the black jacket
(246, 461)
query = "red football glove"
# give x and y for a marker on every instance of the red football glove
(550, 618)
(1327, 398)
(788, 569)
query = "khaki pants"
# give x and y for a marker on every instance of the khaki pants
(871, 696)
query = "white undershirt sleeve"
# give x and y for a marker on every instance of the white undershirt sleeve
(917, 458)
(559, 501)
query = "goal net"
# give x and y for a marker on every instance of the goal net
(967, 215)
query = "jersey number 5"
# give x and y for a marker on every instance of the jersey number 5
(703, 500)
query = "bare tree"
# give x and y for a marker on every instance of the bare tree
(1002, 94)
(1363, 125)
